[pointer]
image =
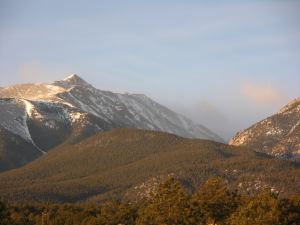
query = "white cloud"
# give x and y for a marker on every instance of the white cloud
(261, 93)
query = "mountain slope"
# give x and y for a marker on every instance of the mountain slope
(15, 151)
(46, 115)
(120, 161)
(278, 135)
(30, 128)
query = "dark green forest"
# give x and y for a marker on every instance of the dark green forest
(214, 202)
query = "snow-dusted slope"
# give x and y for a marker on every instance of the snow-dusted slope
(45, 115)
(277, 135)
(121, 110)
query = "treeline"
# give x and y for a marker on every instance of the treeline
(212, 203)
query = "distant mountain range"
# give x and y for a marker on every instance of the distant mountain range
(130, 162)
(277, 135)
(35, 118)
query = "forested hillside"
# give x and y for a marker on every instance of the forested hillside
(130, 162)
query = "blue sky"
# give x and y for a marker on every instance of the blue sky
(225, 64)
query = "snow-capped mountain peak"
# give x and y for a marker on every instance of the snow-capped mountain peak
(119, 110)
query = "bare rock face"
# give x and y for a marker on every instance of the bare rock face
(47, 115)
(278, 135)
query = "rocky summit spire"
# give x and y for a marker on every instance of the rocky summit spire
(74, 79)
(71, 80)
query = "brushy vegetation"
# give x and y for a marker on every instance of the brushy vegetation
(213, 203)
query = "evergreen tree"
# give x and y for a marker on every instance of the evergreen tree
(213, 203)
(4, 214)
(167, 206)
(263, 209)
(113, 213)
(290, 210)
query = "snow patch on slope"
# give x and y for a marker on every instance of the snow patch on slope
(14, 119)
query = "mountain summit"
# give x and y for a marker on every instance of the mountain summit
(38, 117)
(72, 80)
